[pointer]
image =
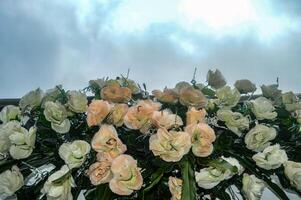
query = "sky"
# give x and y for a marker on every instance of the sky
(46, 43)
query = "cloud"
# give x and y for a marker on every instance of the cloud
(44, 43)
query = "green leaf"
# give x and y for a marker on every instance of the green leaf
(189, 187)
(103, 192)
(221, 164)
(209, 92)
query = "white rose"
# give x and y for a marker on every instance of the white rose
(259, 137)
(227, 97)
(252, 187)
(291, 101)
(5, 131)
(58, 185)
(165, 118)
(292, 171)
(77, 102)
(10, 181)
(9, 112)
(22, 142)
(272, 157)
(32, 99)
(263, 108)
(74, 154)
(235, 121)
(235, 163)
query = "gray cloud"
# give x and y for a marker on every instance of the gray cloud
(48, 43)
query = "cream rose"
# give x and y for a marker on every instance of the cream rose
(202, 136)
(98, 110)
(77, 101)
(117, 114)
(116, 94)
(210, 177)
(5, 131)
(22, 142)
(166, 119)
(106, 140)
(245, 86)
(9, 112)
(10, 181)
(56, 113)
(58, 185)
(235, 121)
(292, 171)
(216, 79)
(167, 96)
(32, 99)
(252, 187)
(227, 97)
(100, 171)
(190, 96)
(195, 116)
(259, 137)
(139, 116)
(126, 175)
(52, 94)
(170, 146)
(291, 101)
(175, 187)
(271, 91)
(272, 157)
(263, 108)
(74, 154)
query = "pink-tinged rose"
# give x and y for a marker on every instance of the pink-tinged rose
(195, 116)
(167, 96)
(171, 146)
(126, 175)
(139, 116)
(117, 114)
(97, 112)
(116, 94)
(190, 96)
(175, 188)
(106, 140)
(165, 119)
(202, 136)
(100, 172)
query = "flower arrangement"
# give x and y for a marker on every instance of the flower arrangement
(189, 142)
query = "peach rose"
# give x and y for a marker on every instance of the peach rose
(202, 136)
(139, 116)
(117, 114)
(195, 116)
(100, 172)
(175, 188)
(190, 96)
(97, 112)
(170, 146)
(106, 140)
(126, 175)
(167, 96)
(116, 94)
(166, 119)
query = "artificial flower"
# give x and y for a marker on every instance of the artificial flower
(194, 115)
(271, 91)
(216, 79)
(5, 131)
(292, 171)
(77, 101)
(31, 100)
(106, 140)
(167, 96)
(210, 177)
(98, 110)
(74, 153)
(166, 119)
(171, 146)
(9, 112)
(126, 175)
(202, 136)
(272, 157)
(259, 137)
(227, 97)
(116, 94)
(125, 82)
(235, 121)
(252, 187)
(263, 108)
(22, 142)
(291, 101)
(56, 113)
(10, 182)
(52, 94)
(175, 188)
(190, 96)
(58, 185)
(245, 86)
(117, 114)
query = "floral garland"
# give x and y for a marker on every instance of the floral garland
(189, 142)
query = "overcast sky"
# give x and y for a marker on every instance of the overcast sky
(45, 43)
